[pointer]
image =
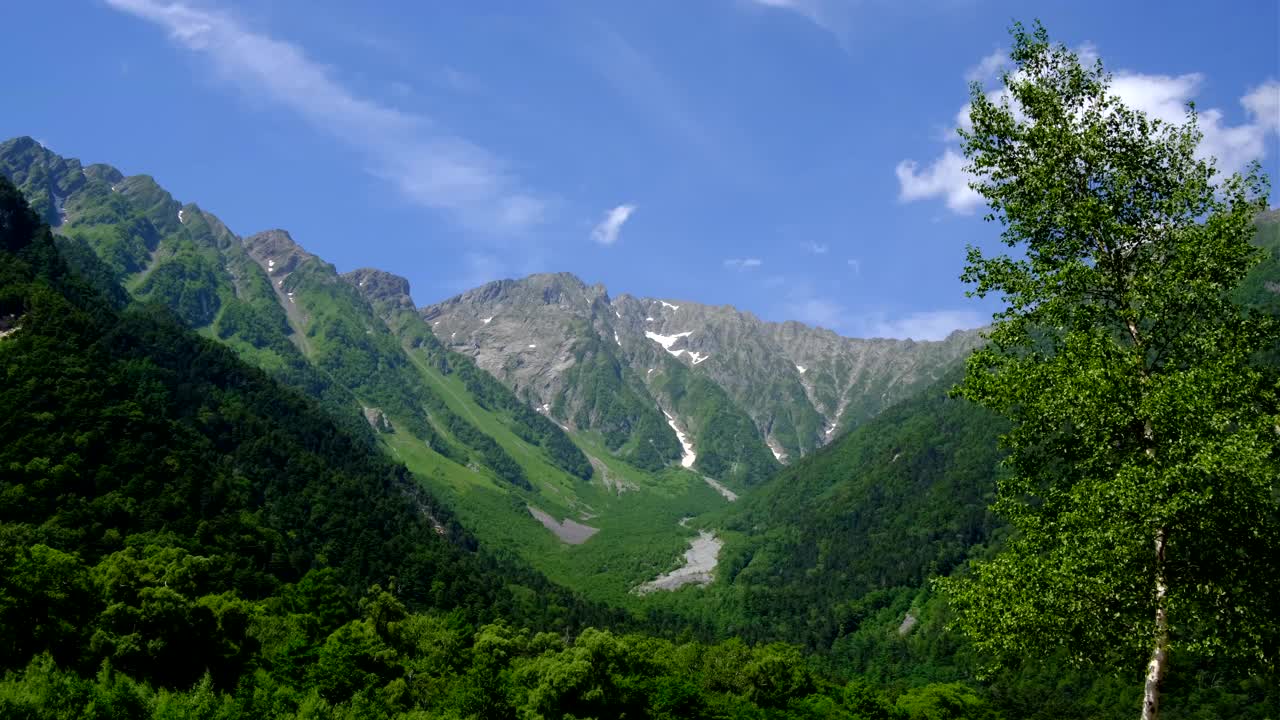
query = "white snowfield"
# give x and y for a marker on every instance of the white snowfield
(616, 338)
(778, 453)
(648, 319)
(667, 304)
(666, 341)
(688, 457)
(487, 320)
(181, 219)
(699, 566)
(800, 369)
(697, 357)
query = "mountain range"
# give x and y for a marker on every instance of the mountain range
(803, 486)
(592, 410)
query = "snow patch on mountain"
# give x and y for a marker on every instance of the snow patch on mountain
(666, 341)
(667, 304)
(776, 448)
(800, 369)
(697, 357)
(181, 219)
(487, 320)
(688, 456)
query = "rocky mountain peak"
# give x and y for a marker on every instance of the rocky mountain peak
(276, 251)
(380, 287)
(104, 172)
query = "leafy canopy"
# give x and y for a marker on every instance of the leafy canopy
(1139, 412)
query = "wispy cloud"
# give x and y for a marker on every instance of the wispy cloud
(819, 312)
(1160, 96)
(929, 325)
(428, 166)
(988, 68)
(743, 263)
(636, 78)
(828, 15)
(606, 232)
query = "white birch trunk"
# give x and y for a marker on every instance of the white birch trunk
(1160, 653)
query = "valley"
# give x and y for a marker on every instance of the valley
(682, 508)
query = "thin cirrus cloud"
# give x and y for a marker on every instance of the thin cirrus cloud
(827, 15)
(430, 168)
(1160, 96)
(607, 231)
(743, 263)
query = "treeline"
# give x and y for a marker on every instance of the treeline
(390, 663)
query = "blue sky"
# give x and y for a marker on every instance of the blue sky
(788, 157)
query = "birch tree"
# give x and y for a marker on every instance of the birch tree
(1141, 481)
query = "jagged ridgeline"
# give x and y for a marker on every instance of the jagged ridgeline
(747, 395)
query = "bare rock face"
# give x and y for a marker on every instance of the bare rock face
(380, 288)
(522, 331)
(276, 251)
(801, 386)
(377, 420)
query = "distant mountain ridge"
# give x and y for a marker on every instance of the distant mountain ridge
(799, 386)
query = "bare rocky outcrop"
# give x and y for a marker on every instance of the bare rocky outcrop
(377, 420)
(569, 531)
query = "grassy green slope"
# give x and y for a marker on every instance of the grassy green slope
(636, 512)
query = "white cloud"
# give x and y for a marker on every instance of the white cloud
(1263, 103)
(743, 263)
(816, 248)
(988, 68)
(606, 232)
(944, 177)
(428, 166)
(929, 325)
(1163, 97)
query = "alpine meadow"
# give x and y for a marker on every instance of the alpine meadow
(993, 436)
